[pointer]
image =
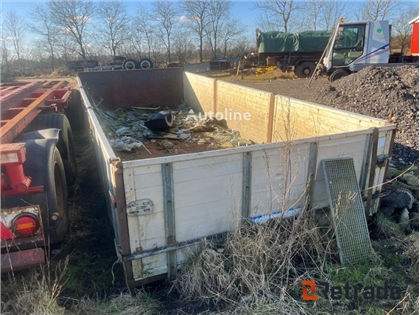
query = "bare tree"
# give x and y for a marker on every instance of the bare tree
(5, 56)
(66, 47)
(378, 10)
(41, 52)
(242, 46)
(332, 12)
(312, 11)
(230, 32)
(218, 14)
(73, 17)
(113, 28)
(182, 45)
(48, 31)
(143, 29)
(14, 28)
(165, 13)
(402, 29)
(275, 14)
(198, 15)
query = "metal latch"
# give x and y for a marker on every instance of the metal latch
(140, 207)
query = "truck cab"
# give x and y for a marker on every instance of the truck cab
(356, 45)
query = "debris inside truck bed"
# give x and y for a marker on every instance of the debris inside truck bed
(139, 133)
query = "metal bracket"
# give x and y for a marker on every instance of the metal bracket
(169, 214)
(246, 184)
(140, 207)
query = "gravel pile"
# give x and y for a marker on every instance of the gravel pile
(376, 91)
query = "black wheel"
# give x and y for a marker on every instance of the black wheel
(129, 64)
(45, 167)
(337, 74)
(305, 69)
(65, 143)
(58, 178)
(145, 63)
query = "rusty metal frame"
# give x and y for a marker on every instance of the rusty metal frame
(14, 126)
(121, 217)
(22, 259)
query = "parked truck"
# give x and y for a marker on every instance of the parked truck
(118, 63)
(163, 207)
(356, 45)
(81, 64)
(37, 166)
(298, 51)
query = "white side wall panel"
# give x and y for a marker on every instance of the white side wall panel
(208, 195)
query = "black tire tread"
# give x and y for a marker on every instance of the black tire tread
(148, 60)
(302, 66)
(65, 142)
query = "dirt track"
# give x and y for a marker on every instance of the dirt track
(373, 92)
(297, 88)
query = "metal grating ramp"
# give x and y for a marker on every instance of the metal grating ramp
(347, 210)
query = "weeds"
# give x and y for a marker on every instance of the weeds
(259, 263)
(121, 304)
(260, 268)
(36, 293)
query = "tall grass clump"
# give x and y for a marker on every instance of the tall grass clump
(35, 293)
(259, 264)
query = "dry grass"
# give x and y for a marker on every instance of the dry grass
(121, 304)
(59, 72)
(35, 293)
(259, 265)
(249, 75)
(259, 270)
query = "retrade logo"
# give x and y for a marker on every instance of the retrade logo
(308, 290)
(350, 292)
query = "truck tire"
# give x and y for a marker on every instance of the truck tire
(337, 74)
(129, 64)
(45, 167)
(145, 63)
(58, 196)
(65, 143)
(305, 69)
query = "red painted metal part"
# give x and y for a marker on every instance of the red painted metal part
(17, 117)
(415, 39)
(22, 259)
(21, 103)
(6, 234)
(9, 217)
(12, 158)
(9, 89)
(4, 184)
(30, 190)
